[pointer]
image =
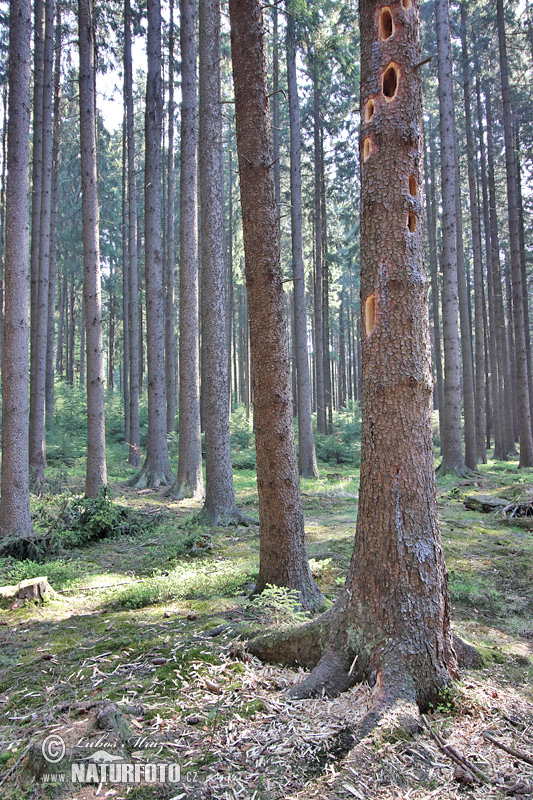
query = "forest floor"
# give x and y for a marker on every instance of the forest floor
(151, 620)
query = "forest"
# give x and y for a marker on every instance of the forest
(266, 492)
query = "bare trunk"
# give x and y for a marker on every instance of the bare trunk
(125, 281)
(56, 136)
(452, 457)
(319, 289)
(134, 457)
(282, 555)
(391, 624)
(40, 303)
(522, 388)
(15, 516)
(306, 453)
(96, 477)
(170, 347)
(156, 469)
(219, 506)
(480, 419)
(189, 482)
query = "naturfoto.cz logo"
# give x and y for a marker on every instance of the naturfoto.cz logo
(104, 767)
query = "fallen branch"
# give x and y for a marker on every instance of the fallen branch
(15, 765)
(452, 753)
(508, 749)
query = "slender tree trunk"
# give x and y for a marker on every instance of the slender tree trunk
(61, 327)
(156, 469)
(282, 556)
(3, 223)
(134, 325)
(504, 371)
(219, 506)
(111, 333)
(56, 137)
(306, 446)
(36, 185)
(430, 180)
(465, 324)
(40, 305)
(319, 289)
(72, 331)
(451, 451)
(125, 281)
(82, 348)
(15, 516)
(476, 249)
(96, 477)
(170, 312)
(522, 388)
(189, 482)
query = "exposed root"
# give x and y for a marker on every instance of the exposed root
(330, 677)
(467, 655)
(227, 519)
(301, 645)
(459, 472)
(148, 478)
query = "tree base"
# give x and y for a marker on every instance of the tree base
(148, 478)
(183, 491)
(224, 519)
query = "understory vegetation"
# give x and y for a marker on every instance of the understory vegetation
(152, 609)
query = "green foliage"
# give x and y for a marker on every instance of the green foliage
(280, 605)
(343, 446)
(242, 440)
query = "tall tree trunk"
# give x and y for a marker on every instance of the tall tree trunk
(189, 482)
(219, 506)
(40, 305)
(398, 562)
(3, 223)
(282, 555)
(451, 451)
(306, 446)
(522, 388)
(479, 301)
(111, 332)
(125, 281)
(504, 371)
(15, 516)
(61, 328)
(134, 457)
(56, 137)
(170, 346)
(36, 182)
(525, 294)
(156, 469)
(465, 324)
(319, 289)
(96, 477)
(430, 179)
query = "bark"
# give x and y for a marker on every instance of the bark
(40, 304)
(506, 445)
(451, 451)
(219, 505)
(431, 211)
(189, 482)
(125, 281)
(134, 457)
(522, 387)
(479, 301)
(56, 136)
(391, 624)
(282, 554)
(170, 347)
(525, 296)
(96, 477)
(15, 516)
(465, 325)
(36, 181)
(156, 469)
(306, 446)
(319, 289)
